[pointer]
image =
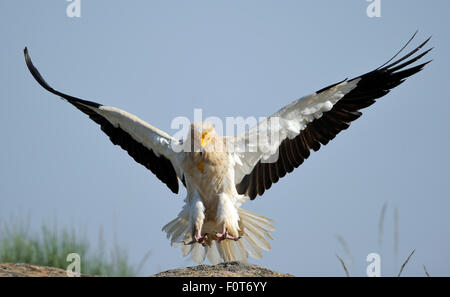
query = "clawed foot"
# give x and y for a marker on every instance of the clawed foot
(198, 239)
(220, 236)
(225, 235)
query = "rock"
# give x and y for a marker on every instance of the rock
(223, 269)
(231, 269)
(27, 270)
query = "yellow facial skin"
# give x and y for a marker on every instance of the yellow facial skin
(205, 139)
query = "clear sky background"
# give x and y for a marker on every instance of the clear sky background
(162, 59)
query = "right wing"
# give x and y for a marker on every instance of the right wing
(147, 145)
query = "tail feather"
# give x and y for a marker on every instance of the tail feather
(233, 251)
(179, 234)
(185, 249)
(170, 227)
(178, 229)
(240, 248)
(258, 239)
(198, 253)
(252, 248)
(213, 254)
(219, 247)
(260, 222)
(228, 250)
(255, 230)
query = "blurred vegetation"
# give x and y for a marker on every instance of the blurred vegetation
(50, 247)
(381, 220)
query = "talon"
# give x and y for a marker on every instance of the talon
(203, 239)
(198, 239)
(225, 235)
(222, 236)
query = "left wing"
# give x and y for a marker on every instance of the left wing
(310, 122)
(146, 144)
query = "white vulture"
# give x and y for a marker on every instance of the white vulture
(218, 180)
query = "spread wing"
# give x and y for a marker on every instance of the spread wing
(147, 145)
(310, 122)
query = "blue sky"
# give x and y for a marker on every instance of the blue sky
(162, 59)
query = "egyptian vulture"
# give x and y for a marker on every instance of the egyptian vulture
(221, 173)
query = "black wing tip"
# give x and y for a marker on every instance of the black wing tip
(426, 63)
(28, 59)
(35, 73)
(38, 77)
(386, 65)
(428, 39)
(428, 50)
(408, 55)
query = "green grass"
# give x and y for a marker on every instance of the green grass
(50, 247)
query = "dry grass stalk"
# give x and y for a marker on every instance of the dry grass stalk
(343, 266)
(406, 262)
